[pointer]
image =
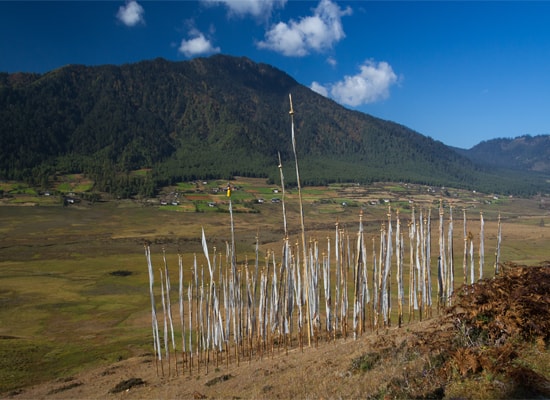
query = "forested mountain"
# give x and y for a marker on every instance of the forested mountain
(529, 153)
(213, 117)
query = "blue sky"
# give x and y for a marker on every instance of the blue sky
(458, 72)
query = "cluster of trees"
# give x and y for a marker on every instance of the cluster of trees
(215, 117)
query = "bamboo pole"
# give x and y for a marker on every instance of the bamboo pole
(399, 273)
(481, 244)
(465, 255)
(419, 268)
(169, 308)
(441, 270)
(357, 276)
(423, 266)
(154, 320)
(451, 269)
(428, 269)
(166, 348)
(304, 250)
(181, 311)
(472, 267)
(412, 291)
(497, 252)
(337, 247)
(376, 288)
(386, 301)
(190, 305)
(282, 177)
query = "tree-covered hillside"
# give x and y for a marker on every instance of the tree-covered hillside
(529, 153)
(213, 117)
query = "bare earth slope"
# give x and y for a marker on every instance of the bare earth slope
(493, 343)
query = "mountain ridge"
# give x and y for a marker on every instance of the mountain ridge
(219, 117)
(526, 152)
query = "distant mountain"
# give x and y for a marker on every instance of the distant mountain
(528, 153)
(135, 127)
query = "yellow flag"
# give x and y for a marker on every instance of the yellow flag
(228, 191)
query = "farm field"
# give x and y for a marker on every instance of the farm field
(74, 283)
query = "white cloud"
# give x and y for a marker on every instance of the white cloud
(318, 32)
(318, 88)
(197, 45)
(370, 85)
(256, 8)
(131, 13)
(332, 61)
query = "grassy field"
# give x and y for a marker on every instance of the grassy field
(74, 283)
